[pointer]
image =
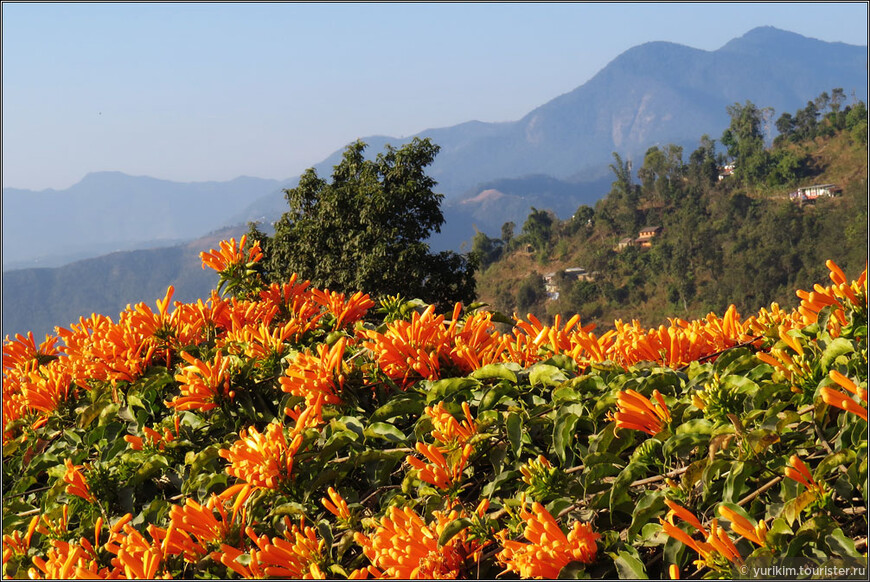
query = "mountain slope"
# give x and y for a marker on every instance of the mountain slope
(110, 211)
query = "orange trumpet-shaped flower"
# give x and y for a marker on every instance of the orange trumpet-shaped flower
(447, 429)
(743, 527)
(637, 412)
(231, 254)
(312, 376)
(717, 542)
(76, 483)
(15, 544)
(843, 401)
(409, 348)
(439, 471)
(549, 549)
(403, 546)
(203, 384)
(336, 505)
(345, 312)
(262, 460)
(297, 555)
(796, 470)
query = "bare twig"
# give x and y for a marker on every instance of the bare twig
(760, 490)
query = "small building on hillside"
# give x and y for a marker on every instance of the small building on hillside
(579, 273)
(624, 243)
(810, 193)
(726, 170)
(645, 236)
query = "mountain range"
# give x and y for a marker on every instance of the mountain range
(555, 157)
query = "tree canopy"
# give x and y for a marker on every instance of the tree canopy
(366, 229)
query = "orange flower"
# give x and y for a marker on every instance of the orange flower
(21, 352)
(338, 506)
(404, 546)
(345, 312)
(717, 545)
(203, 384)
(297, 555)
(230, 254)
(447, 429)
(310, 377)
(796, 470)
(76, 483)
(411, 348)
(843, 401)
(153, 439)
(743, 527)
(262, 460)
(637, 412)
(16, 544)
(439, 471)
(550, 549)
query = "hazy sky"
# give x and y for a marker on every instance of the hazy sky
(212, 91)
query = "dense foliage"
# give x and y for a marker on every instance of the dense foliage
(366, 229)
(737, 240)
(285, 433)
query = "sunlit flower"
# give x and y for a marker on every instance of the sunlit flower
(336, 505)
(203, 384)
(447, 429)
(295, 556)
(441, 471)
(262, 459)
(152, 438)
(549, 549)
(637, 412)
(312, 376)
(796, 470)
(345, 313)
(716, 551)
(76, 483)
(231, 254)
(843, 401)
(404, 546)
(410, 348)
(743, 527)
(16, 544)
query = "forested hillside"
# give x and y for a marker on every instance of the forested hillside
(738, 239)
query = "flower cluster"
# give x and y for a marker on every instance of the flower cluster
(228, 426)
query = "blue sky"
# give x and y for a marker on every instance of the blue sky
(212, 91)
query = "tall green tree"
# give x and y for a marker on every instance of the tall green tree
(366, 229)
(744, 140)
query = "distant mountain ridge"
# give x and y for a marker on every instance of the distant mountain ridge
(655, 93)
(112, 211)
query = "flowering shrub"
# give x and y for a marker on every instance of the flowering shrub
(286, 431)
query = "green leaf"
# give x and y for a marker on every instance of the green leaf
(629, 567)
(514, 425)
(735, 483)
(494, 394)
(385, 431)
(833, 461)
(151, 467)
(442, 389)
(842, 545)
(546, 375)
(836, 348)
(563, 434)
(451, 529)
(572, 571)
(649, 505)
(681, 444)
(619, 490)
(407, 403)
(505, 371)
